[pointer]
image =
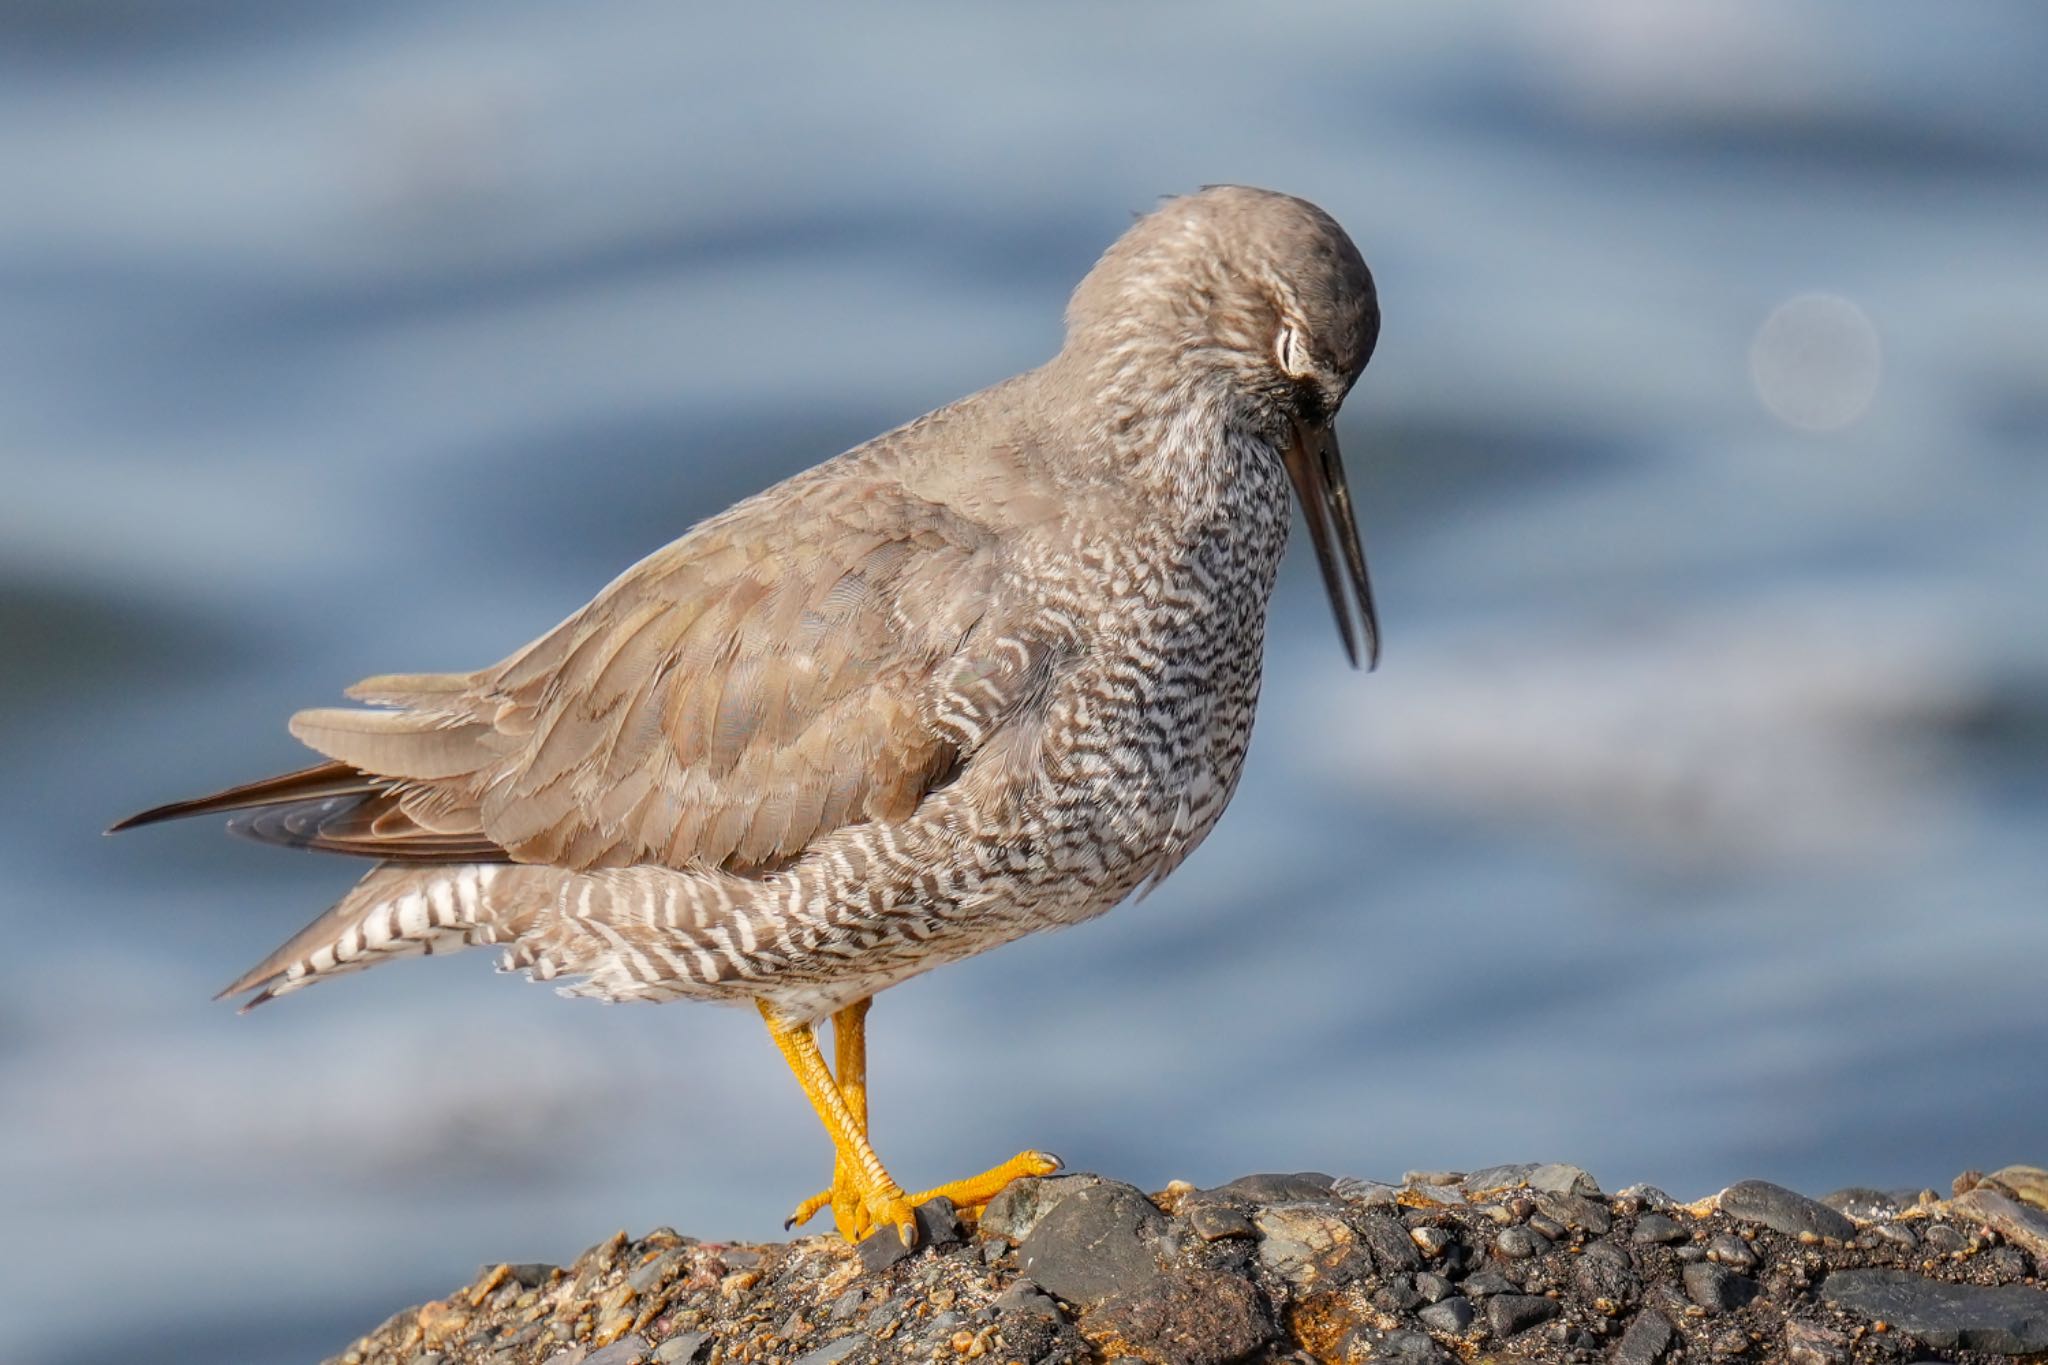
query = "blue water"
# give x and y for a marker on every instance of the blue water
(1693, 828)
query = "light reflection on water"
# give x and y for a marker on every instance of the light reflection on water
(1690, 830)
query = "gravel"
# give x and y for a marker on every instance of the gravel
(1528, 1262)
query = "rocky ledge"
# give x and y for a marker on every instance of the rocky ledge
(1515, 1263)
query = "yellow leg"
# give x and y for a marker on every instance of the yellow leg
(850, 1068)
(845, 1197)
(881, 1199)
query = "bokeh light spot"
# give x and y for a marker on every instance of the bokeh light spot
(1816, 362)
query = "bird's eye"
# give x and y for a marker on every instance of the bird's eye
(1290, 348)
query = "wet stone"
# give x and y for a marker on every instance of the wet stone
(1094, 1243)
(1717, 1288)
(1783, 1210)
(1509, 1314)
(1657, 1228)
(1646, 1340)
(2009, 1319)
(1451, 1317)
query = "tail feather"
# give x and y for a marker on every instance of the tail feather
(321, 782)
(395, 911)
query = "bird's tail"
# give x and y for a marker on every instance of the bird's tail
(396, 911)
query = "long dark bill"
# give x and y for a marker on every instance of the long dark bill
(1318, 473)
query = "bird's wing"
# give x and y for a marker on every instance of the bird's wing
(799, 664)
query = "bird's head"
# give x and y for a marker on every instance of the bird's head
(1260, 304)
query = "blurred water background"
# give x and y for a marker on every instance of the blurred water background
(1693, 828)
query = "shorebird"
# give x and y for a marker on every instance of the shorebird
(987, 674)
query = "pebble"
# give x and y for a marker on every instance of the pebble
(1717, 1288)
(1388, 1239)
(1433, 1288)
(1487, 1282)
(1408, 1348)
(1214, 1222)
(1203, 1317)
(833, 1351)
(1555, 1178)
(1304, 1243)
(1510, 1177)
(625, 1351)
(1015, 1211)
(1518, 1244)
(937, 1226)
(1431, 1241)
(1732, 1251)
(1807, 1343)
(1433, 1178)
(1024, 1297)
(683, 1348)
(1094, 1243)
(1655, 1227)
(1645, 1197)
(1450, 1316)
(1508, 1314)
(1944, 1238)
(1782, 1210)
(2009, 1319)
(1576, 1211)
(1862, 1203)
(1606, 1274)
(1646, 1340)
(2022, 1225)
(1297, 1187)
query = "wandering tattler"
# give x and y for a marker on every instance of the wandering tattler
(984, 675)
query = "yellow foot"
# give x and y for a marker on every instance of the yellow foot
(854, 1215)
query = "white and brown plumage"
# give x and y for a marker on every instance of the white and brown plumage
(983, 675)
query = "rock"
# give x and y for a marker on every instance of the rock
(1553, 1178)
(1648, 1337)
(1433, 1178)
(1656, 1228)
(1214, 1222)
(1388, 1240)
(1809, 1344)
(833, 1351)
(1433, 1288)
(1731, 1251)
(1944, 1237)
(1716, 1288)
(1299, 1187)
(1451, 1317)
(2028, 1184)
(627, 1350)
(1407, 1348)
(937, 1226)
(1862, 1203)
(2008, 1319)
(1605, 1274)
(1782, 1210)
(1023, 1297)
(1094, 1243)
(1487, 1282)
(1373, 1194)
(683, 1348)
(1307, 1243)
(1200, 1318)
(1519, 1244)
(1015, 1211)
(2024, 1226)
(1492, 1178)
(1577, 1212)
(1640, 1196)
(1508, 1314)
